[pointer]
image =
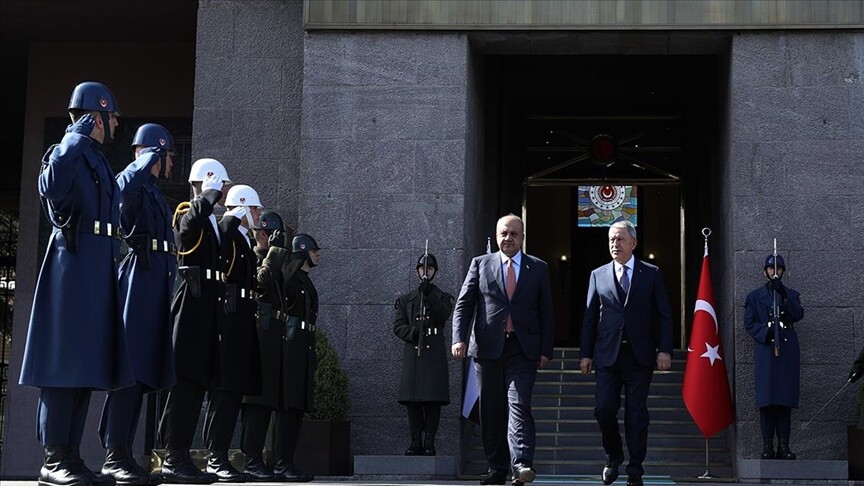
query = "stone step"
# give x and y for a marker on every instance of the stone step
(568, 438)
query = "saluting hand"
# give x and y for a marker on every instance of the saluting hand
(161, 153)
(212, 182)
(83, 125)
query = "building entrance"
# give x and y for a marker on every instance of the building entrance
(593, 139)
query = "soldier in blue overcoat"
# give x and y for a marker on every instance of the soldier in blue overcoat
(777, 374)
(75, 342)
(194, 310)
(146, 287)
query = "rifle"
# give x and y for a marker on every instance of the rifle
(775, 309)
(421, 341)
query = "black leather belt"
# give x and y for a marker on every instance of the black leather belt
(212, 274)
(248, 294)
(164, 246)
(783, 325)
(99, 228)
(142, 243)
(283, 317)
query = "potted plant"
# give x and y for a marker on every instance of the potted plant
(324, 445)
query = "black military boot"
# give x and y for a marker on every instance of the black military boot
(120, 465)
(287, 472)
(429, 445)
(219, 465)
(768, 448)
(257, 471)
(416, 447)
(57, 470)
(179, 469)
(783, 451)
(78, 464)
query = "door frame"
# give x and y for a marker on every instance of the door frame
(680, 293)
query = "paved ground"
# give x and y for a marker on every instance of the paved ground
(649, 480)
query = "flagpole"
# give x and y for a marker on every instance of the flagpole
(706, 232)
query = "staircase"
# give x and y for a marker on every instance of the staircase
(568, 437)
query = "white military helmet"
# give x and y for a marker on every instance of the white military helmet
(203, 168)
(242, 195)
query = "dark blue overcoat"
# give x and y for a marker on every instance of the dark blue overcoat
(76, 338)
(777, 377)
(146, 291)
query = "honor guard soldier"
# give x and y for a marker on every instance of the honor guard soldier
(277, 374)
(771, 312)
(239, 371)
(75, 326)
(194, 313)
(146, 287)
(424, 385)
(294, 313)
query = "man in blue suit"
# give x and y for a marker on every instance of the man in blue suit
(508, 297)
(626, 298)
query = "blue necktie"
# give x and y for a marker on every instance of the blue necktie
(625, 281)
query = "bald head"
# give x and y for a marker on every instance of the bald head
(509, 234)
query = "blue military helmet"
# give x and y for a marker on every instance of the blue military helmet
(93, 96)
(769, 262)
(153, 135)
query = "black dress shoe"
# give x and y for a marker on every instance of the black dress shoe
(185, 473)
(221, 467)
(523, 475)
(495, 476)
(610, 472)
(633, 480)
(257, 471)
(290, 474)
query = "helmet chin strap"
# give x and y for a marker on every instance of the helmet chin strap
(163, 169)
(106, 121)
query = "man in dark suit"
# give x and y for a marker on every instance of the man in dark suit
(508, 297)
(626, 297)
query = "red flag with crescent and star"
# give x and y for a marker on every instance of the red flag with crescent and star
(706, 386)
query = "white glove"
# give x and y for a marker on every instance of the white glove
(238, 212)
(212, 182)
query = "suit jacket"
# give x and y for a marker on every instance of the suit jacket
(606, 316)
(484, 301)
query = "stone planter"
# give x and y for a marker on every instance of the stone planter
(855, 438)
(324, 448)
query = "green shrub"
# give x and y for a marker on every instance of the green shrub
(331, 384)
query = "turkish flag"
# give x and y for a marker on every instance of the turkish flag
(706, 387)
